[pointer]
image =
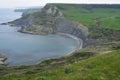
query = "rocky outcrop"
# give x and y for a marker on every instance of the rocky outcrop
(2, 59)
(50, 20)
(52, 11)
(71, 27)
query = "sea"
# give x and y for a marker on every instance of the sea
(27, 49)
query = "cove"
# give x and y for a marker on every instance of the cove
(27, 49)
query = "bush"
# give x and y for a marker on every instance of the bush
(83, 54)
(68, 70)
(30, 72)
(79, 56)
(116, 46)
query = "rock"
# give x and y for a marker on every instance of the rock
(50, 20)
(1, 63)
(52, 10)
(2, 59)
(3, 23)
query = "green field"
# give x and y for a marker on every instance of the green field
(107, 17)
(101, 67)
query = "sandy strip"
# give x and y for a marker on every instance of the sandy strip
(79, 41)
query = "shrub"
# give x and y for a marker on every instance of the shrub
(116, 46)
(68, 70)
(30, 72)
(83, 54)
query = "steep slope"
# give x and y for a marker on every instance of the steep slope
(102, 67)
(102, 20)
(50, 20)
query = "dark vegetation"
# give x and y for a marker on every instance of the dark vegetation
(104, 33)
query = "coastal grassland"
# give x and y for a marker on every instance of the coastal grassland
(103, 21)
(85, 64)
(89, 16)
(101, 67)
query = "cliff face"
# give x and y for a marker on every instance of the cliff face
(50, 20)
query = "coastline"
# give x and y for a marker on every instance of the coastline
(78, 47)
(79, 42)
(2, 59)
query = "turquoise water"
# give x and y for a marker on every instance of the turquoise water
(27, 49)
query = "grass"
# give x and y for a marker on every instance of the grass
(102, 22)
(82, 65)
(108, 17)
(102, 67)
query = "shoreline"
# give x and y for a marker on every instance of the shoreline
(79, 42)
(78, 47)
(2, 59)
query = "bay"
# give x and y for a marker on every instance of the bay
(27, 49)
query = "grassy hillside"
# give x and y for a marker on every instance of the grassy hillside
(103, 23)
(89, 14)
(102, 67)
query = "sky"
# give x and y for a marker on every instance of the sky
(28, 3)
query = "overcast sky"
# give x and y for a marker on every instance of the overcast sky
(28, 3)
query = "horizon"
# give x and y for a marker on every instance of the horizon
(27, 7)
(34, 3)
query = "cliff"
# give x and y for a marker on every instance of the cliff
(50, 20)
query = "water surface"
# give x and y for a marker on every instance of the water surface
(26, 49)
